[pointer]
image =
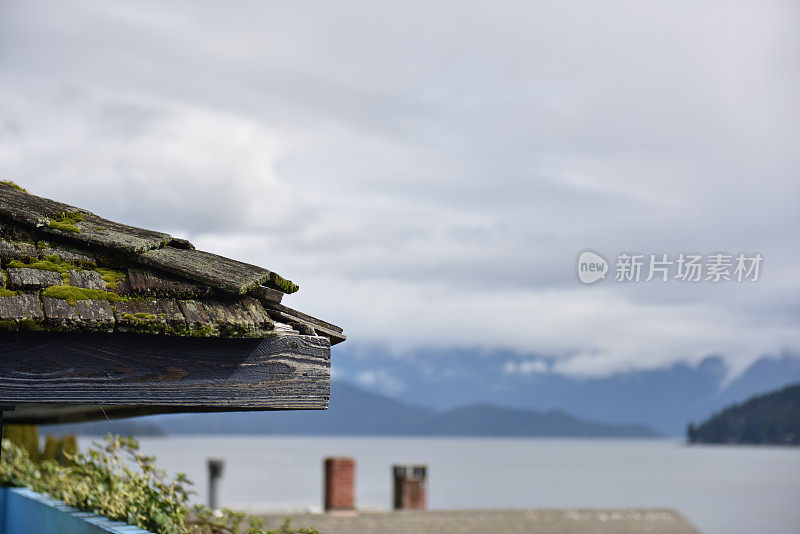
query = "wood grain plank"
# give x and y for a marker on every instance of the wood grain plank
(297, 319)
(314, 321)
(266, 293)
(276, 373)
(50, 414)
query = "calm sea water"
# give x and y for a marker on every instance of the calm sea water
(720, 489)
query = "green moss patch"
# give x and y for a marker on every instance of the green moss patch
(67, 221)
(74, 294)
(204, 331)
(112, 277)
(48, 263)
(32, 325)
(139, 317)
(7, 292)
(11, 184)
(282, 284)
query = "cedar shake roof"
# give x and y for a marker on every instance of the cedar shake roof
(65, 269)
(539, 521)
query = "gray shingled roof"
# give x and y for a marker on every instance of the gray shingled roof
(67, 269)
(539, 521)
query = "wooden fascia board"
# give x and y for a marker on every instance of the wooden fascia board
(281, 372)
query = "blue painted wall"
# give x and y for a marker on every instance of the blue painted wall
(24, 512)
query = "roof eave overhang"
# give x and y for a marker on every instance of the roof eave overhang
(68, 377)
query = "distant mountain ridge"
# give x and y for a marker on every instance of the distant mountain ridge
(773, 418)
(665, 399)
(357, 412)
(487, 420)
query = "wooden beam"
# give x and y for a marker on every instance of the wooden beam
(56, 414)
(303, 316)
(152, 374)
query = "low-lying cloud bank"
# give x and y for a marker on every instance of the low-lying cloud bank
(435, 191)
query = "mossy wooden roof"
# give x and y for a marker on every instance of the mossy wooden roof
(100, 319)
(65, 269)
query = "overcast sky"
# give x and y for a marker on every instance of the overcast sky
(428, 172)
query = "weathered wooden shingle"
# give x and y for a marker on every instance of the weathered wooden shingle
(243, 317)
(197, 318)
(157, 315)
(207, 268)
(84, 315)
(266, 293)
(231, 318)
(96, 313)
(301, 316)
(259, 315)
(178, 242)
(43, 214)
(151, 282)
(87, 279)
(61, 313)
(20, 307)
(24, 278)
(304, 323)
(16, 250)
(67, 254)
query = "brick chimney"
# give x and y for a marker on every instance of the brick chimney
(409, 487)
(340, 482)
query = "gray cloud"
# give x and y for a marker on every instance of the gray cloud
(429, 173)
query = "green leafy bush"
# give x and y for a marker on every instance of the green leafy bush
(115, 480)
